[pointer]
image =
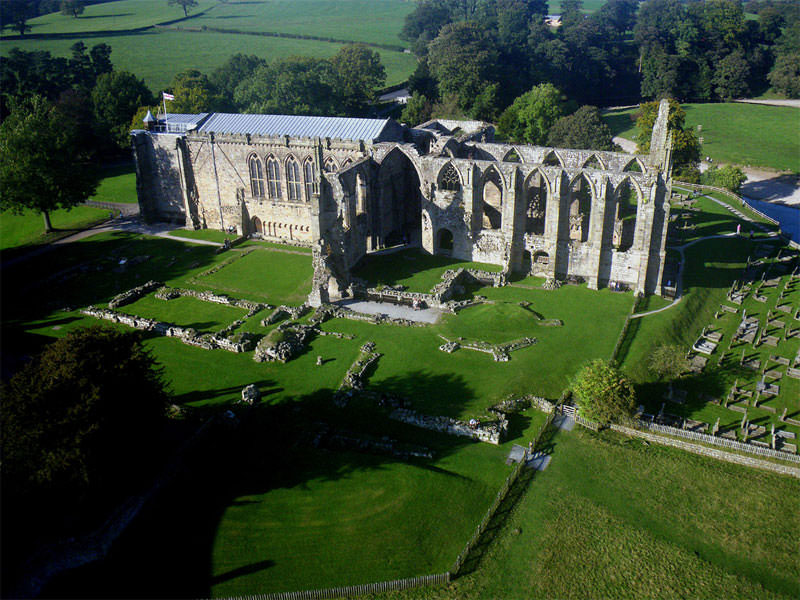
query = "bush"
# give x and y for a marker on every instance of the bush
(604, 394)
(729, 177)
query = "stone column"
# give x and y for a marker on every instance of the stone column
(514, 220)
(596, 226)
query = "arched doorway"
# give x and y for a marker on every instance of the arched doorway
(397, 217)
(258, 226)
(444, 242)
(492, 200)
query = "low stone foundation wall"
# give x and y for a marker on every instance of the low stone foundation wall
(490, 432)
(134, 294)
(711, 452)
(243, 343)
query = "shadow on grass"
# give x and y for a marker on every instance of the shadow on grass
(167, 550)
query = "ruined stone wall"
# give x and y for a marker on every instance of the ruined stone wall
(159, 177)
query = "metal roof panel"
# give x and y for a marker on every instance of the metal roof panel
(295, 126)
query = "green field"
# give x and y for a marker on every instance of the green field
(157, 55)
(267, 508)
(743, 134)
(323, 18)
(612, 517)
(418, 271)
(118, 184)
(110, 16)
(28, 228)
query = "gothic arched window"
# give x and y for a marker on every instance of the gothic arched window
(293, 179)
(330, 165)
(256, 176)
(310, 178)
(449, 179)
(274, 177)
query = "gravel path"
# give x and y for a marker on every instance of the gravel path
(427, 315)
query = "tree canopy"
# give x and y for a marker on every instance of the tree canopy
(582, 129)
(604, 393)
(115, 99)
(685, 146)
(531, 115)
(81, 413)
(45, 162)
(186, 5)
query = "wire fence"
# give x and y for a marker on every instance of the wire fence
(353, 590)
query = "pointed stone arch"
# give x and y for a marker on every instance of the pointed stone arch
(256, 170)
(627, 196)
(449, 178)
(552, 159)
(594, 162)
(536, 189)
(513, 156)
(634, 166)
(492, 196)
(330, 165)
(579, 205)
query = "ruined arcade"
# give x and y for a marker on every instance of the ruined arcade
(348, 187)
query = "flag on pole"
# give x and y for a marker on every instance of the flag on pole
(167, 96)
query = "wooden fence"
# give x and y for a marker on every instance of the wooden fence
(501, 495)
(697, 437)
(353, 590)
(713, 440)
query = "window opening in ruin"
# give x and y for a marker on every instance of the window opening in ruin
(445, 239)
(311, 181)
(256, 177)
(293, 179)
(512, 156)
(536, 202)
(541, 259)
(634, 166)
(330, 165)
(361, 195)
(627, 201)
(593, 163)
(551, 160)
(274, 177)
(346, 163)
(580, 207)
(492, 200)
(449, 179)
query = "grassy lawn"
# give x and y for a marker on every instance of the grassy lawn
(186, 312)
(609, 507)
(265, 275)
(744, 134)
(156, 55)
(414, 269)
(209, 235)
(110, 16)
(28, 228)
(265, 510)
(323, 18)
(117, 185)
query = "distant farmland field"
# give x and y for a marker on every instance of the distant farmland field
(157, 53)
(744, 134)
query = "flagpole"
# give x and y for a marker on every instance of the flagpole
(164, 100)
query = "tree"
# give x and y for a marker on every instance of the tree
(236, 69)
(81, 414)
(115, 99)
(531, 115)
(604, 394)
(417, 110)
(359, 74)
(462, 59)
(423, 24)
(668, 362)
(785, 75)
(193, 93)
(72, 7)
(184, 4)
(45, 163)
(729, 177)
(15, 14)
(582, 129)
(296, 85)
(731, 75)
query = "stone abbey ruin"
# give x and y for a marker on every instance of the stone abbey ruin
(348, 187)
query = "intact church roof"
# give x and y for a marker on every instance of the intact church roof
(369, 130)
